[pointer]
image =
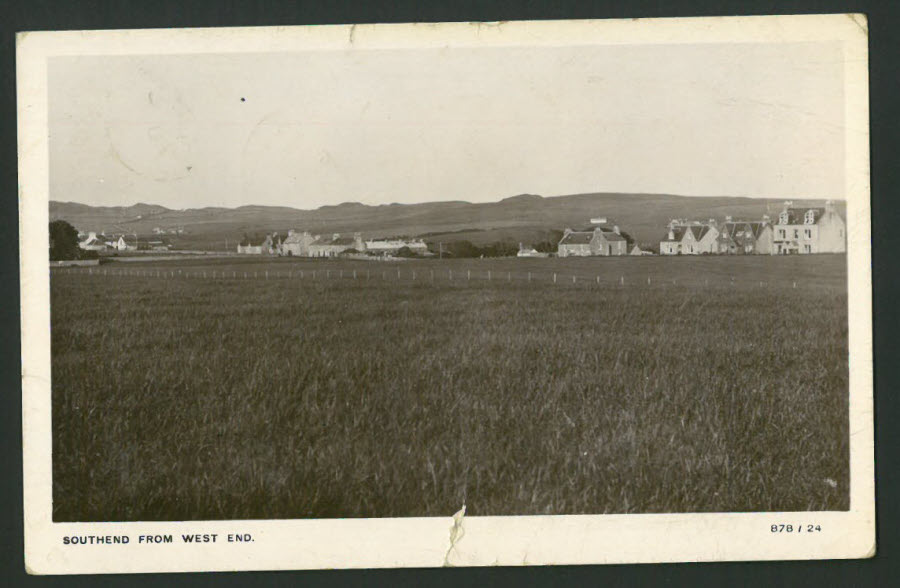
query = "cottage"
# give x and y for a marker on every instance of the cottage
(271, 245)
(599, 241)
(642, 250)
(125, 243)
(392, 246)
(530, 252)
(297, 243)
(745, 237)
(93, 242)
(689, 238)
(809, 230)
(334, 245)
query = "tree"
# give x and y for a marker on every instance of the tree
(63, 241)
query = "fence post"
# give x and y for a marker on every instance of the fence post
(354, 274)
(233, 274)
(648, 280)
(622, 280)
(398, 273)
(328, 273)
(573, 279)
(489, 275)
(598, 280)
(529, 277)
(468, 274)
(451, 275)
(414, 275)
(432, 275)
(554, 277)
(342, 274)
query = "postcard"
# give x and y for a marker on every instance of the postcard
(446, 294)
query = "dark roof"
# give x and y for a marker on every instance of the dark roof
(613, 236)
(742, 232)
(796, 216)
(577, 238)
(699, 231)
(333, 241)
(679, 232)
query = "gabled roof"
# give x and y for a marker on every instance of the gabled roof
(613, 236)
(323, 241)
(577, 238)
(699, 231)
(742, 232)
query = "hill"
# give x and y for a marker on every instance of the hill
(527, 217)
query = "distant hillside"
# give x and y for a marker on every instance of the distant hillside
(527, 218)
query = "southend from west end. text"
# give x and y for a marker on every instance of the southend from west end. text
(157, 539)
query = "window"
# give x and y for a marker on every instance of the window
(807, 248)
(781, 233)
(808, 233)
(796, 233)
(783, 218)
(810, 217)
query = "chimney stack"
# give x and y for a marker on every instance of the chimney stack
(616, 229)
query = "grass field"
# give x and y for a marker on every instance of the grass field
(720, 385)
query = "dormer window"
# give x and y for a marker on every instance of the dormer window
(783, 218)
(810, 217)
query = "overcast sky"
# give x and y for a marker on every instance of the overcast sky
(376, 126)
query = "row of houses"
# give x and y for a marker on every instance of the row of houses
(92, 241)
(305, 244)
(796, 230)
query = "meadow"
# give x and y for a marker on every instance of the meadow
(183, 391)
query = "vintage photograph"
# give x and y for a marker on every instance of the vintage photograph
(359, 282)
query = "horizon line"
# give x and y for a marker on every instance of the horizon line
(356, 202)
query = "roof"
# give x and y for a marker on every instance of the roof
(612, 236)
(326, 241)
(296, 238)
(577, 238)
(742, 232)
(679, 231)
(796, 216)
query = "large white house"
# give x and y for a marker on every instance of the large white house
(806, 230)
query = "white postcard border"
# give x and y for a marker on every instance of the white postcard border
(426, 542)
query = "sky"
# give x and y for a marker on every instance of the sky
(307, 129)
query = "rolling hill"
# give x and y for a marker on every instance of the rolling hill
(524, 218)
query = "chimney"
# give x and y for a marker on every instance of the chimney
(335, 236)
(829, 206)
(671, 234)
(616, 229)
(766, 218)
(567, 231)
(727, 218)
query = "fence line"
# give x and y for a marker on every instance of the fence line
(559, 280)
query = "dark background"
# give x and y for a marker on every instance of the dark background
(33, 15)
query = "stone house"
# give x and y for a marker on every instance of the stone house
(806, 230)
